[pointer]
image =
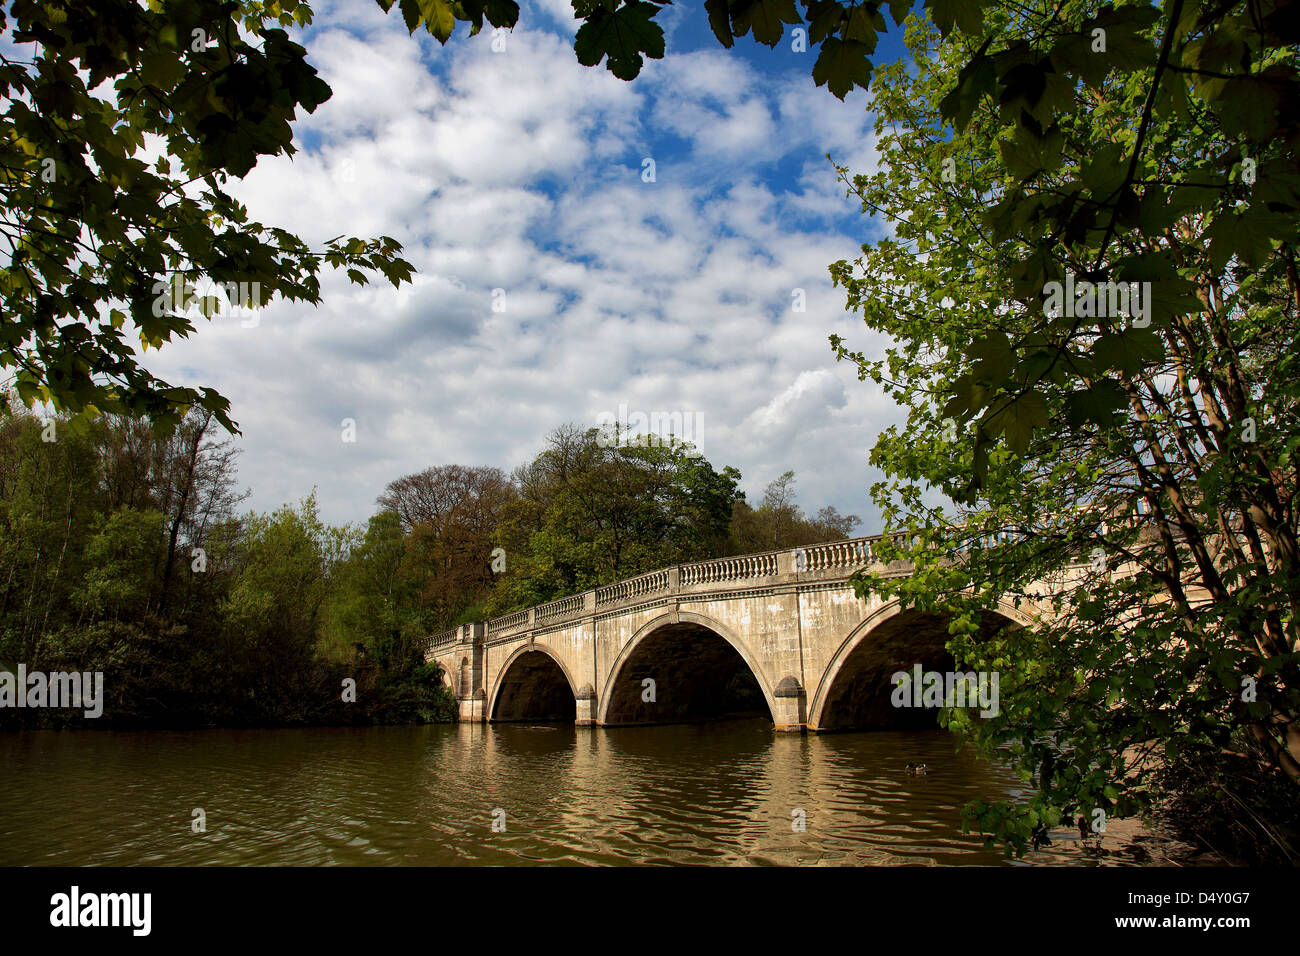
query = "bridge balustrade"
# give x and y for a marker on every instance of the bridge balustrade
(833, 557)
(564, 607)
(507, 623)
(650, 583)
(729, 569)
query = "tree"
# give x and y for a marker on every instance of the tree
(98, 237)
(373, 595)
(187, 475)
(1139, 459)
(444, 493)
(272, 614)
(378, 610)
(450, 515)
(121, 557)
(778, 522)
(99, 524)
(779, 494)
(47, 505)
(593, 509)
(835, 524)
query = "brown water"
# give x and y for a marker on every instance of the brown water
(720, 794)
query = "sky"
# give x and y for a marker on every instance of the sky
(557, 280)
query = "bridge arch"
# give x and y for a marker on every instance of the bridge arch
(538, 692)
(872, 626)
(640, 641)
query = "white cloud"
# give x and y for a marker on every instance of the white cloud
(522, 171)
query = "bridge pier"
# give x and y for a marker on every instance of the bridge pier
(473, 709)
(791, 714)
(586, 704)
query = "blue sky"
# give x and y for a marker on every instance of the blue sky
(555, 284)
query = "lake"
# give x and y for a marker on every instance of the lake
(724, 793)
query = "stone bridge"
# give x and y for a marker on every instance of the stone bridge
(780, 634)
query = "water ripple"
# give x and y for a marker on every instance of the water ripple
(724, 794)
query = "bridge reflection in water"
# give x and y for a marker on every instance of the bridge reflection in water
(729, 792)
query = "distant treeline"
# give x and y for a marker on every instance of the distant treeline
(124, 551)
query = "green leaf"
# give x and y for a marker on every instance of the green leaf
(964, 15)
(976, 80)
(1104, 170)
(767, 18)
(720, 21)
(1029, 156)
(842, 65)
(439, 19)
(1128, 350)
(864, 25)
(993, 358)
(1097, 405)
(1017, 419)
(411, 13)
(620, 38)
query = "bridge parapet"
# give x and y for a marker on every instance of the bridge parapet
(563, 608)
(813, 564)
(509, 622)
(442, 639)
(651, 583)
(721, 570)
(857, 553)
(465, 634)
